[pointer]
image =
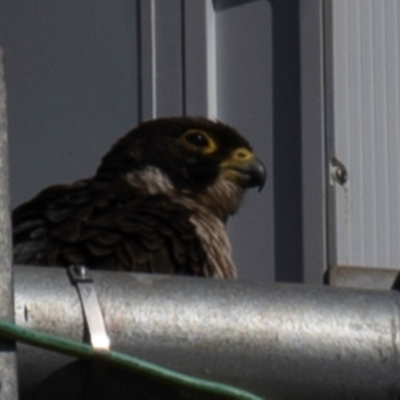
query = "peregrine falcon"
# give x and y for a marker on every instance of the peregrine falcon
(157, 203)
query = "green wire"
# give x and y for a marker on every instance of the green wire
(120, 360)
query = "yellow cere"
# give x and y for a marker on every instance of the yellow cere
(238, 157)
(242, 155)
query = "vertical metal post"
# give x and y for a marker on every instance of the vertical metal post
(160, 57)
(313, 141)
(8, 380)
(200, 58)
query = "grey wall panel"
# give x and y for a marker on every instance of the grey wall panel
(227, 76)
(364, 45)
(244, 99)
(72, 83)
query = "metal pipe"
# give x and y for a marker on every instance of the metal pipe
(8, 359)
(279, 341)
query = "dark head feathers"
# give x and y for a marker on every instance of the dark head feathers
(159, 144)
(174, 127)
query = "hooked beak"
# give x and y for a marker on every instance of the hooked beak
(245, 169)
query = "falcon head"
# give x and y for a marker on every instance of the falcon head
(190, 159)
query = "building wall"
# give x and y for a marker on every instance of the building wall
(363, 49)
(313, 84)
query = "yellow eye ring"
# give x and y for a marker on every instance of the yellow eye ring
(201, 140)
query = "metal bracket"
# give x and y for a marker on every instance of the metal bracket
(83, 281)
(363, 277)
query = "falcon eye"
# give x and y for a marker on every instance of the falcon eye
(201, 140)
(197, 138)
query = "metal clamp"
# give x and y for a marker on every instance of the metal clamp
(99, 338)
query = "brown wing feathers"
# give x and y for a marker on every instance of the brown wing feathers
(78, 224)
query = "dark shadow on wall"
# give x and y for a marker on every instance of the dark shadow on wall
(287, 141)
